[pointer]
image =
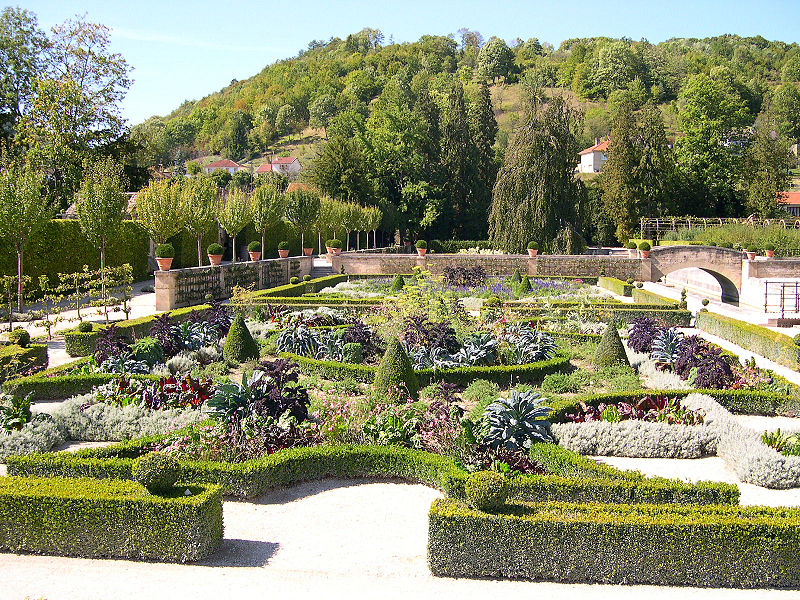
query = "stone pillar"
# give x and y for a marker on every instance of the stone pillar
(166, 290)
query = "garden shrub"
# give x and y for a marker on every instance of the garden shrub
(486, 490)
(610, 351)
(148, 350)
(641, 296)
(353, 353)
(397, 283)
(19, 336)
(42, 434)
(15, 360)
(709, 546)
(612, 284)
(481, 392)
(395, 370)
(94, 519)
(85, 326)
(157, 472)
(239, 345)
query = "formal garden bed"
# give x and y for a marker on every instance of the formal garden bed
(438, 382)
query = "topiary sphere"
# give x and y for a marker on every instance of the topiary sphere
(156, 471)
(20, 337)
(85, 326)
(306, 277)
(294, 280)
(486, 491)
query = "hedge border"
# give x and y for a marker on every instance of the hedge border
(30, 356)
(47, 388)
(642, 297)
(760, 340)
(612, 284)
(90, 518)
(502, 374)
(617, 543)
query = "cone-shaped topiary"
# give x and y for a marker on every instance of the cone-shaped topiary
(239, 344)
(610, 351)
(397, 283)
(525, 284)
(396, 371)
(516, 277)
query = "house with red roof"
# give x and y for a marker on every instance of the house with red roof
(790, 201)
(227, 164)
(593, 158)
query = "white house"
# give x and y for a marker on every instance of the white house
(285, 165)
(593, 159)
(227, 164)
(790, 201)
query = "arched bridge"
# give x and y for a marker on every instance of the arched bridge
(724, 264)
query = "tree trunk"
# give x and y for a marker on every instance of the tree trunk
(358, 240)
(319, 241)
(19, 280)
(233, 249)
(263, 247)
(103, 276)
(200, 250)
(347, 243)
(302, 242)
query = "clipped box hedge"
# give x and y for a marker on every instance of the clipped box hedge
(622, 314)
(45, 387)
(14, 358)
(581, 479)
(91, 518)
(709, 546)
(769, 344)
(642, 296)
(501, 374)
(612, 284)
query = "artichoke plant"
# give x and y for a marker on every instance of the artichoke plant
(514, 423)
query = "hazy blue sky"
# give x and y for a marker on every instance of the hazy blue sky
(186, 50)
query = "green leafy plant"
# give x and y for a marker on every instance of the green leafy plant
(165, 251)
(533, 246)
(254, 246)
(397, 283)
(294, 280)
(395, 371)
(644, 247)
(516, 422)
(283, 245)
(15, 412)
(334, 243)
(422, 244)
(85, 326)
(20, 337)
(215, 249)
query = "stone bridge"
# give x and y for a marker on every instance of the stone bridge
(730, 268)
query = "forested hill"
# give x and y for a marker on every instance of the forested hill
(332, 84)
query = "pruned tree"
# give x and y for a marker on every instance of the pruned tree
(200, 209)
(160, 209)
(234, 216)
(101, 204)
(24, 210)
(302, 208)
(268, 208)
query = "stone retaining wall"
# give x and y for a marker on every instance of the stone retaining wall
(186, 287)
(499, 265)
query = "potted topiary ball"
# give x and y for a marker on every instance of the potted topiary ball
(751, 252)
(254, 250)
(283, 249)
(533, 249)
(769, 250)
(215, 254)
(644, 250)
(334, 247)
(165, 253)
(631, 246)
(422, 247)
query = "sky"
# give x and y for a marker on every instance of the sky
(186, 50)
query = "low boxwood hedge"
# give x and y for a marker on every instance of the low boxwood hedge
(641, 297)
(719, 546)
(745, 402)
(501, 374)
(254, 477)
(90, 518)
(622, 314)
(769, 344)
(612, 284)
(15, 359)
(46, 387)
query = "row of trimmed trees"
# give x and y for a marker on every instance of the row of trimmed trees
(167, 207)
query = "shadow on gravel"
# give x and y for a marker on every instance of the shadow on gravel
(240, 553)
(310, 488)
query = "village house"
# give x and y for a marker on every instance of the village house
(790, 201)
(226, 164)
(285, 165)
(593, 158)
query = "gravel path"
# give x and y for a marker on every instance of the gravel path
(329, 539)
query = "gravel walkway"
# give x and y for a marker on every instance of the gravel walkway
(329, 539)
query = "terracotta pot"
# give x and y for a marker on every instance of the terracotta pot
(337, 251)
(751, 256)
(533, 253)
(422, 251)
(164, 263)
(329, 250)
(255, 255)
(283, 253)
(215, 259)
(644, 253)
(769, 253)
(308, 251)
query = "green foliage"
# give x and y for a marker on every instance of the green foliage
(101, 201)
(294, 280)
(495, 59)
(516, 278)
(395, 371)
(422, 244)
(157, 472)
(254, 246)
(644, 247)
(669, 544)
(283, 245)
(486, 491)
(160, 209)
(397, 283)
(148, 350)
(234, 216)
(239, 345)
(481, 392)
(302, 208)
(215, 248)
(85, 326)
(612, 284)
(610, 351)
(533, 246)
(100, 518)
(19, 336)
(353, 353)
(334, 243)
(165, 251)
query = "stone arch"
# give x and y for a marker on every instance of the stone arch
(723, 264)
